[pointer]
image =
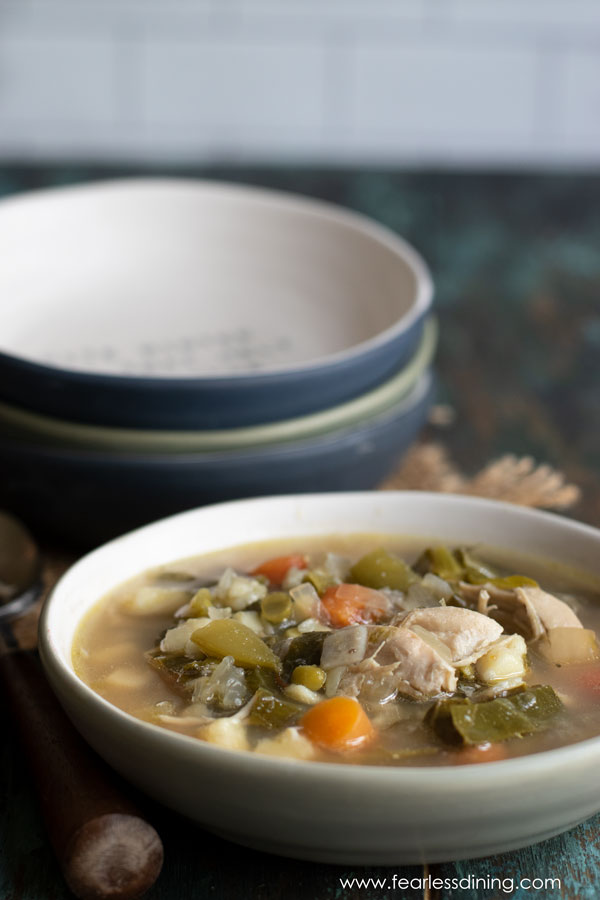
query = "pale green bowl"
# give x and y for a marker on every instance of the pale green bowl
(46, 430)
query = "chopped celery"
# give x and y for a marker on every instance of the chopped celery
(442, 562)
(477, 572)
(460, 565)
(200, 603)
(462, 721)
(509, 582)
(380, 569)
(474, 571)
(276, 607)
(320, 580)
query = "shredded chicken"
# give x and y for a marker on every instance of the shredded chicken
(401, 664)
(529, 611)
(466, 633)
(551, 612)
(418, 657)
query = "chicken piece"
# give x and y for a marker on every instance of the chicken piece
(418, 657)
(401, 664)
(550, 611)
(529, 611)
(465, 633)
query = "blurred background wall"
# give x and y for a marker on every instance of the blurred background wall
(414, 82)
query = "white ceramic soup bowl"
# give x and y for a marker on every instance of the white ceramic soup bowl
(319, 811)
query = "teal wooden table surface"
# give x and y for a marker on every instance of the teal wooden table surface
(516, 259)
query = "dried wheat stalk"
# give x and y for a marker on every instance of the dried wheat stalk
(427, 467)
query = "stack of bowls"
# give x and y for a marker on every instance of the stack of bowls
(166, 343)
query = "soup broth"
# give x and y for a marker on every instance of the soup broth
(355, 649)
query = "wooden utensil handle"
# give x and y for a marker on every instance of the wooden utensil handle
(103, 844)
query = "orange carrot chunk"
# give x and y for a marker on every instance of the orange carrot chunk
(276, 569)
(353, 604)
(338, 724)
(477, 753)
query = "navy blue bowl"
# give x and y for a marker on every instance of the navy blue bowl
(87, 498)
(171, 304)
(197, 403)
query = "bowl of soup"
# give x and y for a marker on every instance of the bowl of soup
(336, 677)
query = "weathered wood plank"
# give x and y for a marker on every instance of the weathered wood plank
(197, 864)
(572, 860)
(28, 870)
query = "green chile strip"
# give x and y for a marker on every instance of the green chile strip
(462, 721)
(228, 637)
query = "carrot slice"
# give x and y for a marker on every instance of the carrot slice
(477, 753)
(353, 604)
(588, 681)
(277, 568)
(338, 724)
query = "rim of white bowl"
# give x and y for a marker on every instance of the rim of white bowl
(470, 774)
(366, 406)
(358, 222)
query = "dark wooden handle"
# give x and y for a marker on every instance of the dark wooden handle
(104, 846)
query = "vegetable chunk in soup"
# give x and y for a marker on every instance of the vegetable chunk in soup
(373, 650)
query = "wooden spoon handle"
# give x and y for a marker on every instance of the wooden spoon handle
(103, 844)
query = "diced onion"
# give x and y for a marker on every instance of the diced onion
(219, 612)
(302, 694)
(336, 565)
(438, 587)
(250, 619)
(312, 625)
(239, 591)
(176, 638)
(225, 686)
(344, 647)
(334, 676)
(306, 602)
(293, 578)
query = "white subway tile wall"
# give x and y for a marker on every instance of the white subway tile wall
(411, 82)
